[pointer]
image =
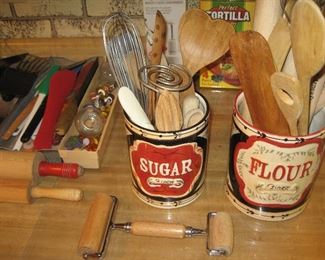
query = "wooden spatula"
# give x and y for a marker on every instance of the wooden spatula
(308, 47)
(280, 42)
(202, 40)
(288, 94)
(254, 63)
(168, 113)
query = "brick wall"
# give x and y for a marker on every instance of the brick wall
(64, 18)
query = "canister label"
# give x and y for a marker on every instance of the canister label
(166, 171)
(274, 174)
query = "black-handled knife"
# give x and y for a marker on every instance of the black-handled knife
(34, 122)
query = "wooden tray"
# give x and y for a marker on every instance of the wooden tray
(89, 159)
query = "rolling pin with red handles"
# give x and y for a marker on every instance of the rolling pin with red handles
(99, 223)
(22, 191)
(30, 166)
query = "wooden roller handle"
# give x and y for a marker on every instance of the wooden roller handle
(53, 193)
(220, 230)
(96, 225)
(155, 229)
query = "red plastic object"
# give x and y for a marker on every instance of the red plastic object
(61, 85)
(67, 170)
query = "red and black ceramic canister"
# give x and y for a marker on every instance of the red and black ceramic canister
(168, 168)
(270, 177)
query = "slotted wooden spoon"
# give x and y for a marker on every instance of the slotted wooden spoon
(308, 47)
(202, 40)
(288, 94)
(158, 46)
(253, 60)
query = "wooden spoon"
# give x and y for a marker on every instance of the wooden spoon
(289, 96)
(202, 40)
(308, 47)
(253, 60)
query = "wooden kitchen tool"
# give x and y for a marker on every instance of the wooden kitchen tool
(168, 114)
(99, 223)
(158, 39)
(254, 63)
(157, 49)
(280, 42)
(288, 94)
(202, 41)
(21, 191)
(31, 166)
(308, 47)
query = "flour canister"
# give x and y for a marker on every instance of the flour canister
(168, 168)
(270, 177)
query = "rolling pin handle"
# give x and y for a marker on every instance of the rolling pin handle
(153, 229)
(220, 234)
(67, 170)
(53, 193)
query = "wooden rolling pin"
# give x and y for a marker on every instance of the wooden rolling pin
(96, 227)
(30, 166)
(21, 191)
(99, 223)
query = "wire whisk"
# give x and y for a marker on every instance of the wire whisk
(125, 54)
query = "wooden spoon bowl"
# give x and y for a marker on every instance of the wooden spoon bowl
(202, 40)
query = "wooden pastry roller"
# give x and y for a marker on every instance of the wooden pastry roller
(21, 191)
(30, 166)
(99, 223)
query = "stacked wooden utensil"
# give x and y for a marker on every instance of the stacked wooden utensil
(202, 41)
(280, 103)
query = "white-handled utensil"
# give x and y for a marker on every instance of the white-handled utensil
(133, 109)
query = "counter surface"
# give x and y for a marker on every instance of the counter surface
(50, 229)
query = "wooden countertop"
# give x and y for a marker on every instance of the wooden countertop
(50, 229)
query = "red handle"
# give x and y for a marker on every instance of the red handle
(61, 85)
(67, 170)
